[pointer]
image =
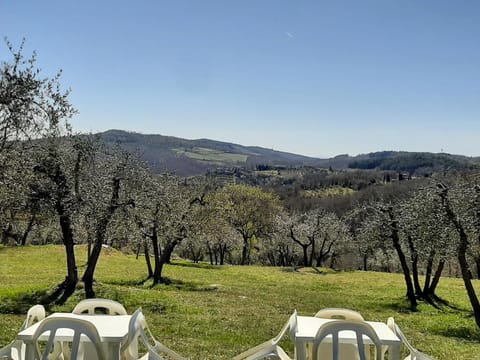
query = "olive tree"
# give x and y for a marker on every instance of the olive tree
(29, 106)
(165, 207)
(383, 225)
(461, 203)
(107, 191)
(250, 211)
(427, 234)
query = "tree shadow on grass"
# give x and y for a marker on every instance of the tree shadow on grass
(464, 333)
(186, 286)
(197, 265)
(441, 303)
(21, 302)
(403, 306)
(131, 282)
(178, 284)
(400, 306)
(290, 269)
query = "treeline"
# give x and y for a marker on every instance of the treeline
(60, 187)
(420, 164)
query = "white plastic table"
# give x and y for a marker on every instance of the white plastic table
(113, 330)
(307, 328)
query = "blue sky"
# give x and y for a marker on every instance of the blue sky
(317, 78)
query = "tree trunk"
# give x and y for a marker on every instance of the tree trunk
(137, 253)
(9, 233)
(157, 270)
(414, 260)
(62, 198)
(67, 288)
(401, 256)
(306, 260)
(436, 277)
(210, 253)
(168, 250)
(466, 275)
(146, 253)
(477, 265)
(29, 228)
(305, 255)
(323, 254)
(223, 251)
(461, 254)
(333, 260)
(312, 253)
(243, 261)
(164, 259)
(428, 272)
(365, 261)
(100, 232)
(88, 275)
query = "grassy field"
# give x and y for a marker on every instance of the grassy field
(211, 155)
(215, 312)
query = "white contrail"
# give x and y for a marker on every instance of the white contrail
(289, 35)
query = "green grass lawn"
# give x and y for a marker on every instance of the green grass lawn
(215, 312)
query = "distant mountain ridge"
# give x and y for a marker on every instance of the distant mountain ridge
(194, 157)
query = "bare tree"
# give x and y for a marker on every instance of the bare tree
(302, 230)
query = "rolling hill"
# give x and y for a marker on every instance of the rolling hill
(194, 157)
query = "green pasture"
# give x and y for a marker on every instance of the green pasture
(212, 155)
(215, 312)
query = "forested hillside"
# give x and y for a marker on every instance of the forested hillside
(195, 157)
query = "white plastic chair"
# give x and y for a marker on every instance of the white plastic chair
(16, 349)
(339, 313)
(271, 347)
(90, 306)
(334, 328)
(138, 328)
(79, 327)
(414, 353)
(347, 351)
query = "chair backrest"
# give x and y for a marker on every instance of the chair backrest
(138, 328)
(137, 322)
(90, 306)
(34, 314)
(334, 328)
(339, 313)
(414, 353)
(79, 327)
(394, 327)
(290, 326)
